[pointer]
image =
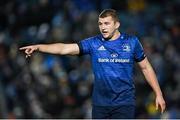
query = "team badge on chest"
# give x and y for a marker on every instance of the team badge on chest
(126, 47)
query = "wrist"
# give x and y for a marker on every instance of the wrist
(37, 47)
(159, 94)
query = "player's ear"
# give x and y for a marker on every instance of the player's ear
(117, 25)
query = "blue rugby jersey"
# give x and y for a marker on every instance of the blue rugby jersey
(112, 63)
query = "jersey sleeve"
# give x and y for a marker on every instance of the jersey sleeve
(139, 51)
(85, 46)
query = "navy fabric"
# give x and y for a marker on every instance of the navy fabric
(115, 112)
(112, 63)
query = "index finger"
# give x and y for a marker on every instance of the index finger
(162, 108)
(23, 48)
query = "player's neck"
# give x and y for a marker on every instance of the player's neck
(115, 36)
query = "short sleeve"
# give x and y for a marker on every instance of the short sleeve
(139, 51)
(85, 46)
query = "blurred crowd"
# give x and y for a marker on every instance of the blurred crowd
(52, 86)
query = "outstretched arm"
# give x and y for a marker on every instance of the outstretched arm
(152, 80)
(57, 48)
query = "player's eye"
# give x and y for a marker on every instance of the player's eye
(107, 23)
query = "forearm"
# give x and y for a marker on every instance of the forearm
(56, 48)
(152, 79)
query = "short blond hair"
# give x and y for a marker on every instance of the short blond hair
(109, 12)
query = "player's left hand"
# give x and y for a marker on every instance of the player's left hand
(160, 103)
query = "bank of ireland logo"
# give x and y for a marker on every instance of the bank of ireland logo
(126, 47)
(114, 55)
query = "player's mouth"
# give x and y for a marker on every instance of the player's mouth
(104, 32)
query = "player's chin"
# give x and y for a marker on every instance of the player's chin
(106, 36)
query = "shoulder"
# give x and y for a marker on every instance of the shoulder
(97, 37)
(92, 39)
(130, 36)
(133, 39)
